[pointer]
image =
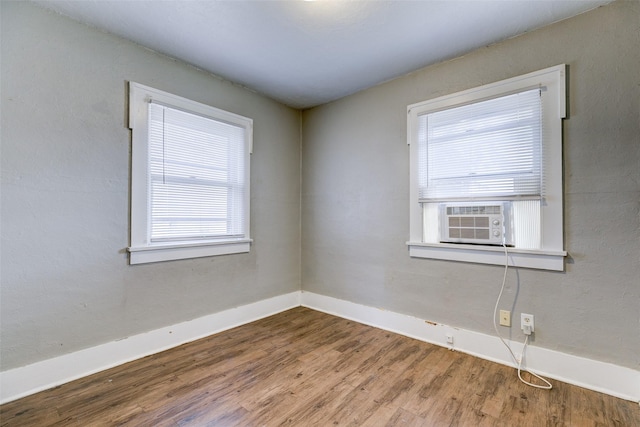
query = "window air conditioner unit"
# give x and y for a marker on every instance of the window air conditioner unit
(476, 223)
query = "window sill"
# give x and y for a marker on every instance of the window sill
(541, 260)
(175, 251)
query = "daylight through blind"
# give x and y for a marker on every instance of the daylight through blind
(196, 176)
(487, 150)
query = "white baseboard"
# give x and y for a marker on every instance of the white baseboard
(591, 374)
(587, 373)
(23, 381)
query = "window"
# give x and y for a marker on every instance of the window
(486, 171)
(190, 178)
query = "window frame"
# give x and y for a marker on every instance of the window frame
(141, 249)
(551, 255)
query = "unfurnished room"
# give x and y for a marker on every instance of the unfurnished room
(318, 213)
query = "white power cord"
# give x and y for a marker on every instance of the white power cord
(548, 385)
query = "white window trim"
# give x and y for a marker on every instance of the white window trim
(552, 254)
(141, 249)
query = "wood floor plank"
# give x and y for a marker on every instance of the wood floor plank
(307, 368)
(434, 365)
(356, 407)
(403, 418)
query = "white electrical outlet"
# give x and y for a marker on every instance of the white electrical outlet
(526, 323)
(450, 339)
(505, 318)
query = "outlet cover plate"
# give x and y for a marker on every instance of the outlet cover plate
(526, 320)
(505, 318)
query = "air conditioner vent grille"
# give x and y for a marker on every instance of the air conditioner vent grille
(475, 210)
(475, 223)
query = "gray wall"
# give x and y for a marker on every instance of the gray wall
(355, 217)
(66, 284)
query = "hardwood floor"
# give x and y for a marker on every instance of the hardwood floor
(306, 368)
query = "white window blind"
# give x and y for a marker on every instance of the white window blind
(196, 176)
(486, 150)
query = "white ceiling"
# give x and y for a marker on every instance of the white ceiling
(305, 53)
